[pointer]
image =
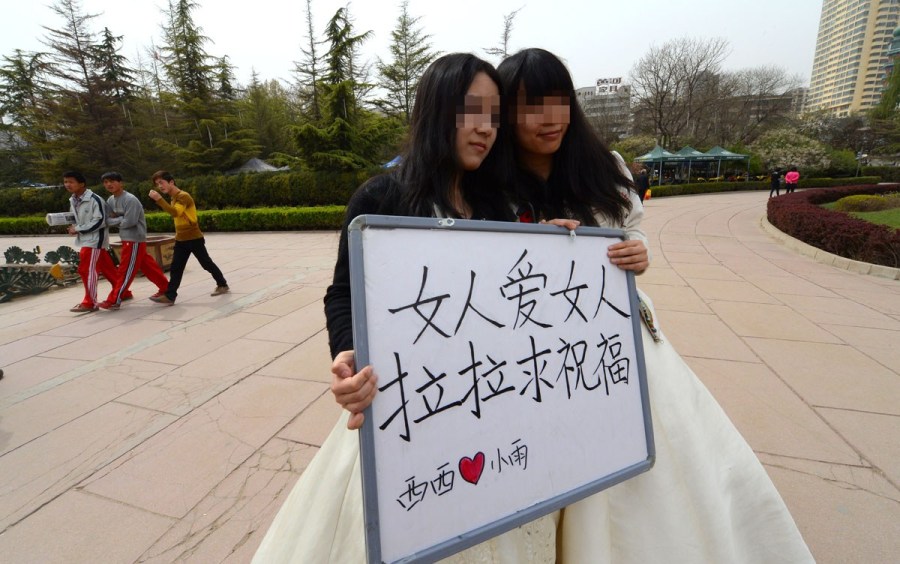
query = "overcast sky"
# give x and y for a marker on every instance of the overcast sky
(597, 38)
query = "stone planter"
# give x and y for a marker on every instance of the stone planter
(160, 247)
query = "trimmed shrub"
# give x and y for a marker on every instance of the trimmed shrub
(714, 187)
(800, 216)
(867, 203)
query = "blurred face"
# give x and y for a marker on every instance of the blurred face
(163, 185)
(477, 122)
(114, 187)
(72, 186)
(541, 123)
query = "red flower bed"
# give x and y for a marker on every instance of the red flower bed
(800, 216)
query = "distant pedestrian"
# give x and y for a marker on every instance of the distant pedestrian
(790, 180)
(775, 183)
(92, 236)
(188, 237)
(642, 183)
(125, 211)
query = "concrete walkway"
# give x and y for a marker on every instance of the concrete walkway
(161, 434)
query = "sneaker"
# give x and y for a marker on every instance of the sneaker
(157, 294)
(162, 299)
(81, 308)
(109, 305)
(220, 290)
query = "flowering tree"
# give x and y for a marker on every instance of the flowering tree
(784, 147)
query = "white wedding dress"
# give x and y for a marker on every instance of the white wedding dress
(706, 500)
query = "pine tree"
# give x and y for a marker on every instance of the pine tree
(185, 59)
(21, 133)
(411, 54)
(308, 71)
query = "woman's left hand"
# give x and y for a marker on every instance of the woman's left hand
(629, 255)
(570, 224)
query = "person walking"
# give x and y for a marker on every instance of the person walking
(188, 237)
(126, 212)
(642, 183)
(790, 180)
(774, 183)
(92, 236)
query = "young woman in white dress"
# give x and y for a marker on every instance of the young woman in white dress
(707, 499)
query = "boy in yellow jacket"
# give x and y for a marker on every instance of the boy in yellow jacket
(188, 237)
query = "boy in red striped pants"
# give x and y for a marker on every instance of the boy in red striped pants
(125, 211)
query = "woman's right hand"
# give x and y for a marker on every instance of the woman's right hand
(354, 391)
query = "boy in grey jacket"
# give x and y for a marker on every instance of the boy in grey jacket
(125, 211)
(92, 236)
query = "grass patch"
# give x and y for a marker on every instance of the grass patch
(890, 217)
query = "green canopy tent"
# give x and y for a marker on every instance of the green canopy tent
(692, 154)
(719, 154)
(659, 155)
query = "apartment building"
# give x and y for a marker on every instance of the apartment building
(851, 55)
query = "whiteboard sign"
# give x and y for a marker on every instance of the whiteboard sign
(510, 372)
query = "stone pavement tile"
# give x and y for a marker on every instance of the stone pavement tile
(39, 414)
(110, 340)
(85, 528)
(828, 375)
(294, 327)
(310, 360)
(171, 472)
(199, 339)
(840, 520)
(82, 326)
(875, 435)
(32, 345)
(787, 283)
(835, 278)
(839, 311)
(882, 300)
(288, 299)
(730, 290)
(230, 522)
(690, 258)
(770, 321)
(660, 275)
(38, 472)
(682, 249)
(704, 336)
(319, 278)
(770, 416)
(704, 271)
(312, 426)
(28, 325)
(880, 344)
(675, 298)
(187, 387)
(30, 372)
(259, 280)
(748, 268)
(672, 238)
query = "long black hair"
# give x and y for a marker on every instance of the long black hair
(586, 176)
(429, 164)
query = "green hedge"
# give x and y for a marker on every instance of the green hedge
(256, 219)
(713, 187)
(251, 190)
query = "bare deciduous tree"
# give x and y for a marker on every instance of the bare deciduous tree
(674, 83)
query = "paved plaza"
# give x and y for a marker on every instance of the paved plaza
(173, 434)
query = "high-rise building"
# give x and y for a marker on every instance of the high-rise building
(851, 54)
(607, 107)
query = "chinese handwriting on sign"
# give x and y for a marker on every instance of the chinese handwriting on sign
(470, 469)
(511, 304)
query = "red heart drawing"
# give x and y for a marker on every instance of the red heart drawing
(470, 468)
